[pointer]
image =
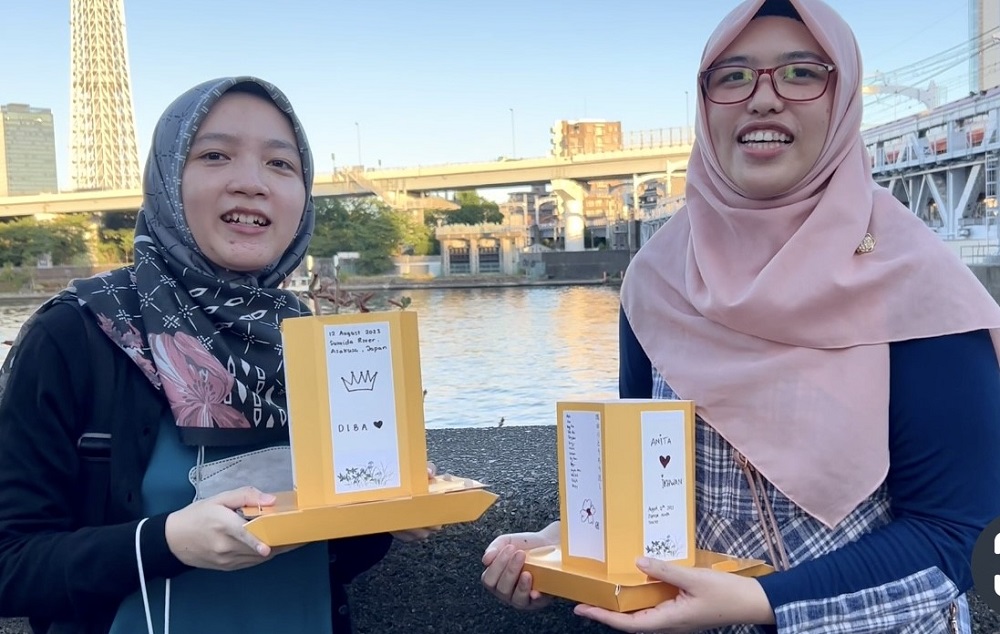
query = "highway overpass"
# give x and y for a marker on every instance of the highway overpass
(408, 181)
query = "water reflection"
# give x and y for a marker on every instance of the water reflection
(492, 353)
(586, 352)
(513, 352)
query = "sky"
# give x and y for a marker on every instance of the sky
(420, 82)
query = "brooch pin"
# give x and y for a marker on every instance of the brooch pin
(867, 244)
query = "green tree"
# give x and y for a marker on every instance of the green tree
(417, 238)
(473, 210)
(69, 240)
(368, 226)
(24, 240)
(115, 245)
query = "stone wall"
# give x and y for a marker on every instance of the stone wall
(584, 265)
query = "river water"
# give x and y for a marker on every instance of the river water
(495, 353)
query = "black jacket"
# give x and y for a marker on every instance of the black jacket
(69, 509)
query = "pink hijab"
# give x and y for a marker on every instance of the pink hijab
(763, 314)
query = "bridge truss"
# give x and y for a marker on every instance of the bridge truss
(943, 164)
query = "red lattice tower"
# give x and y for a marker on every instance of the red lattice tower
(103, 152)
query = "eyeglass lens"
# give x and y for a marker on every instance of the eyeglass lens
(799, 81)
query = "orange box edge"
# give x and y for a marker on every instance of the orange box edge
(287, 524)
(549, 577)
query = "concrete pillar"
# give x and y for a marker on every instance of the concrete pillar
(575, 225)
(676, 180)
(445, 257)
(473, 256)
(564, 189)
(569, 196)
(503, 246)
(509, 256)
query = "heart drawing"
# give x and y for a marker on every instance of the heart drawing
(378, 424)
(664, 461)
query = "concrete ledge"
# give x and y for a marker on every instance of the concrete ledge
(434, 586)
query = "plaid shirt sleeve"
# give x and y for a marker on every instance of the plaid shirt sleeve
(892, 607)
(944, 488)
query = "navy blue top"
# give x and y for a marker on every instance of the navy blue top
(944, 468)
(289, 593)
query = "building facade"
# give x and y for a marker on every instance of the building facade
(534, 207)
(984, 31)
(586, 136)
(27, 151)
(481, 249)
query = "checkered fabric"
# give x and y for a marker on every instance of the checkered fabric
(727, 521)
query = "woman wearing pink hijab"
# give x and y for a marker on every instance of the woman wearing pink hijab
(842, 361)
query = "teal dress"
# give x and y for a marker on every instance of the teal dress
(290, 593)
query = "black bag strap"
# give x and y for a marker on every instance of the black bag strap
(94, 443)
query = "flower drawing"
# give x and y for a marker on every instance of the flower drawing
(367, 476)
(588, 512)
(662, 548)
(195, 382)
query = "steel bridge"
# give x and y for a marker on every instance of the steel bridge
(943, 165)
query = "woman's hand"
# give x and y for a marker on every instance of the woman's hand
(707, 599)
(210, 534)
(504, 559)
(419, 534)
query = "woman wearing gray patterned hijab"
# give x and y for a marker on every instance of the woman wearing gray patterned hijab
(124, 385)
(206, 334)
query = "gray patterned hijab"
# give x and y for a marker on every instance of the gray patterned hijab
(207, 337)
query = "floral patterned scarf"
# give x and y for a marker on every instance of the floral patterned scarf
(208, 338)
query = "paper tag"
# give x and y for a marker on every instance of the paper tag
(362, 407)
(664, 485)
(583, 467)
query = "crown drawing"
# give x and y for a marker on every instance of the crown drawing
(360, 381)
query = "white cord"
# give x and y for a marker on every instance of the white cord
(142, 576)
(166, 608)
(142, 587)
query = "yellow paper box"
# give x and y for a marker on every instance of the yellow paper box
(626, 489)
(359, 450)
(626, 484)
(355, 404)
